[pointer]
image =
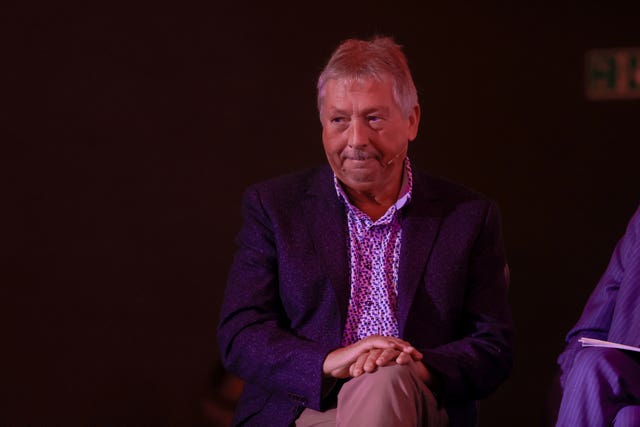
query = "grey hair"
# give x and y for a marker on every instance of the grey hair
(378, 58)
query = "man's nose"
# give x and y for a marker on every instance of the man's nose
(358, 134)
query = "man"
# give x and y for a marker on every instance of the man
(363, 292)
(601, 386)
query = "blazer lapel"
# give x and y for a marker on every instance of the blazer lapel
(420, 228)
(327, 223)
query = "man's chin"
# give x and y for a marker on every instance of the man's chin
(361, 173)
(361, 184)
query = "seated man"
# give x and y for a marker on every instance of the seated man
(365, 292)
(601, 386)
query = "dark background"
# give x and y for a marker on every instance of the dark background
(130, 132)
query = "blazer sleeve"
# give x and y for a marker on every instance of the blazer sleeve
(473, 366)
(253, 337)
(595, 321)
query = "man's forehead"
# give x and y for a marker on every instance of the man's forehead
(363, 95)
(359, 83)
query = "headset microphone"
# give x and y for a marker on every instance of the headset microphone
(394, 158)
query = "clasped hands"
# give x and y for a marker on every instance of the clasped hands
(371, 353)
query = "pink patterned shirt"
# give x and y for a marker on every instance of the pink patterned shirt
(374, 249)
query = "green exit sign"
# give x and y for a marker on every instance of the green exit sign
(613, 73)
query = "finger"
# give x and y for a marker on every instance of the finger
(357, 367)
(406, 347)
(382, 342)
(370, 364)
(414, 353)
(398, 342)
(353, 372)
(403, 359)
(388, 356)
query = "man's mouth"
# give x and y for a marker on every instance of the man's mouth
(359, 155)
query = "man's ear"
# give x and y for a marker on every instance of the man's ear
(414, 121)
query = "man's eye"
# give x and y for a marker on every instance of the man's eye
(373, 119)
(337, 120)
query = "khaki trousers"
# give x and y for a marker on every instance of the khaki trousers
(392, 396)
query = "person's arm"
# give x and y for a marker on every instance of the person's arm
(253, 338)
(473, 366)
(597, 314)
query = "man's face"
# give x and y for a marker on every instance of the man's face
(364, 133)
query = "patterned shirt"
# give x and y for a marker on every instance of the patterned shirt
(374, 249)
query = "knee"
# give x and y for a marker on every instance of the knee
(596, 360)
(394, 374)
(386, 379)
(627, 416)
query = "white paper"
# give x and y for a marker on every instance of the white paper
(592, 342)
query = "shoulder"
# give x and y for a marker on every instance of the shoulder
(289, 188)
(631, 240)
(634, 222)
(296, 179)
(432, 188)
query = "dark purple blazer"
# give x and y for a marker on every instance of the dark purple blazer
(612, 312)
(288, 291)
